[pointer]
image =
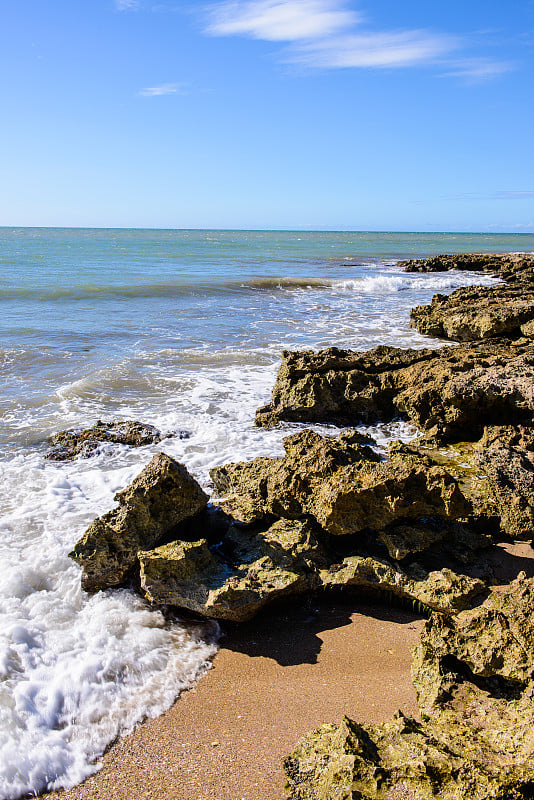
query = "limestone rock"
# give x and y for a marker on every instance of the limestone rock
(506, 456)
(493, 640)
(508, 266)
(441, 590)
(477, 312)
(69, 444)
(341, 484)
(403, 760)
(163, 495)
(233, 582)
(453, 391)
(252, 490)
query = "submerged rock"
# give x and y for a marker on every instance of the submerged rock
(453, 391)
(163, 495)
(69, 444)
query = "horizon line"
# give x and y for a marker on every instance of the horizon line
(262, 230)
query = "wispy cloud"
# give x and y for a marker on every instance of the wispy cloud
(127, 5)
(474, 70)
(379, 50)
(164, 88)
(517, 194)
(280, 20)
(326, 34)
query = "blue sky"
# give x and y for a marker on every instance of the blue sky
(319, 114)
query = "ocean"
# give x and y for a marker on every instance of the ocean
(183, 330)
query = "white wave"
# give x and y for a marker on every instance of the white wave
(75, 671)
(389, 284)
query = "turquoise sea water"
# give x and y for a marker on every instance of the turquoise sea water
(184, 330)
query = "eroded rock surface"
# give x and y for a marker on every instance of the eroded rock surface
(508, 266)
(163, 495)
(473, 673)
(403, 760)
(69, 444)
(453, 392)
(342, 485)
(235, 580)
(493, 640)
(479, 312)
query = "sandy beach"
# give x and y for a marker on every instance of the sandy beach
(294, 667)
(273, 680)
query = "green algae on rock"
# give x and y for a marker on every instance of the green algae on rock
(493, 640)
(235, 581)
(440, 590)
(474, 678)
(163, 495)
(403, 760)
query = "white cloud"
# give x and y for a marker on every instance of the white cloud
(324, 34)
(474, 70)
(280, 20)
(378, 50)
(126, 5)
(165, 88)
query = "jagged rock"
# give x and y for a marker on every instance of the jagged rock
(250, 491)
(496, 474)
(404, 760)
(84, 443)
(494, 640)
(477, 312)
(340, 484)
(453, 392)
(235, 581)
(506, 456)
(163, 495)
(508, 266)
(441, 590)
(474, 677)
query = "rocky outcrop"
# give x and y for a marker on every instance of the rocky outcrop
(479, 312)
(508, 266)
(403, 760)
(236, 579)
(474, 676)
(453, 392)
(494, 642)
(440, 590)
(496, 475)
(506, 456)
(69, 444)
(163, 495)
(342, 486)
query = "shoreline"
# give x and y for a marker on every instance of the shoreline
(273, 680)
